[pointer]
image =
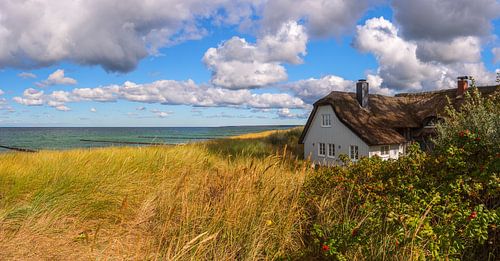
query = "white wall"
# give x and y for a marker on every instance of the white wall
(395, 150)
(338, 134)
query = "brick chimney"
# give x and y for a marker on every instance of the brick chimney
(362, 92)
(462, 85)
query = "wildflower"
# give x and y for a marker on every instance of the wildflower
(325, 248)
(467, 132)
(472, 216)
(269, 222)
(461, 134)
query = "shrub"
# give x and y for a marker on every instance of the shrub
(440, 205)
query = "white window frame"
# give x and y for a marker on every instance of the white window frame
(384, 152)
(330, 154)
(320, 144)
(354, 152)
(326, 120)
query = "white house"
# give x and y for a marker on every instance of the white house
(364, 125)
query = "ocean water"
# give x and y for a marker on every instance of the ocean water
(67, 138)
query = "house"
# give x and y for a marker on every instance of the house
(364, 125)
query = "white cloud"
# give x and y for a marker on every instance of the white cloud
(114, 34)
(496, 54)
(117, 34)
(322, 18)
(164, 92)
(161, 114)
(312, 89)
(376, 85)
(57, 78)
(93, 110)
(31, 97)
(1, 92)
(27, 75)
(237, 64)
(461, 49)
(445, 20)
(401, 69)
(285, 113)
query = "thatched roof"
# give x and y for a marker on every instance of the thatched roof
(378, 124)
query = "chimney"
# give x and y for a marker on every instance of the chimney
(462, 85)
(362, 93)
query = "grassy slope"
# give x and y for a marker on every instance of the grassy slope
(223, 199)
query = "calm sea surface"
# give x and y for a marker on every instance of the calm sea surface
(67, 138)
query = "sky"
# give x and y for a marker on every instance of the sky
(229, 62)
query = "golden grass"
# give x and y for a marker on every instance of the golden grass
(264, 134)
(149, 203)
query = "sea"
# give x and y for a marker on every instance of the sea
(61, 138)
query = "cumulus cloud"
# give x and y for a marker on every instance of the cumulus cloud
(461, 49)
(496, 54)
(444, 20)
(237, 64)
(31, 97)
(285, 113)
(164, 92)
(401, 69)
(322, 18)
(117, 34)
(27, 75)
(114, 34)
(93, 110)
(57, 78)
(312, 89)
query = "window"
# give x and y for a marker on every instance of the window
(331, 150)
(384, 150)
(354, 152)
(326, 120)
(321, 149)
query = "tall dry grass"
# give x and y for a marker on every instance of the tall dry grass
(150, 203)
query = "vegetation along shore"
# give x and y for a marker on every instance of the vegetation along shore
(254, 197)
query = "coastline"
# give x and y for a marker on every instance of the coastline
(62, 139)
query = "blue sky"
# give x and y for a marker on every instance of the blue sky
(230, 63)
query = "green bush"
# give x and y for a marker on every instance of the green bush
(440, 205)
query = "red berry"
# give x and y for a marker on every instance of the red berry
(477, 139)
(325, 248)
(473, 215)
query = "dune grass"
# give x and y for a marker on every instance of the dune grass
(197, 201)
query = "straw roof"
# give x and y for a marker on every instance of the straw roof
(378, 124)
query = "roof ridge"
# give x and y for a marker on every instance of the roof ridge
(405, 94)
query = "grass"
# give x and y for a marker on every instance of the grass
(243, 198)
(215, 200)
